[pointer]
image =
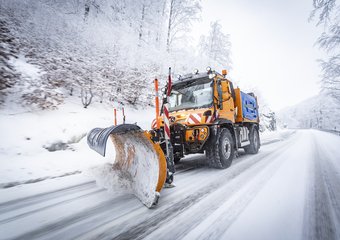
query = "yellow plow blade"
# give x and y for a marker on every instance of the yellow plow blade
(138, 159)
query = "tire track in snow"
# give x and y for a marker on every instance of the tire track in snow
(128, 211)
(282, 138)
(35, 199)
(14, 205)
(261, 172)
(322, 217)
(30, 181)
(114, 203)
(159, 215)
(217, 222)
(27, 213)
(139, 212)
(168, 212)
(45, 230)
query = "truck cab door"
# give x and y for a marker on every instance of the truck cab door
(227, 110)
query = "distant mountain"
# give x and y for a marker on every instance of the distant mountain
(321, 111)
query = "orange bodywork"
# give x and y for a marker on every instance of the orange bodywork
(225, 108)
(161, 162)
(238, 107)
(197, 133)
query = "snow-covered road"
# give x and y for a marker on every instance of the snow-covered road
(289, 190)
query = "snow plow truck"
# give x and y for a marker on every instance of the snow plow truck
(199, 113)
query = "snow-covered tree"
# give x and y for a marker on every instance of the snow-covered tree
(329, 15)
(216, 46)
(268, 121)
(8, 49)
(181, 15)
(113, 47)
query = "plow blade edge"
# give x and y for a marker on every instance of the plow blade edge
(138, 159)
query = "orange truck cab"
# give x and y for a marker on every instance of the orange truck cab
(207, 114)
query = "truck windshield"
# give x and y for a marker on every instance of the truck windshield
(191, 95)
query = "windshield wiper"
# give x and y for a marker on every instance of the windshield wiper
(189, 84)
(184, 88)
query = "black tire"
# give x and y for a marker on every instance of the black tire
(254, 139)
(221, 152)
(177, 159)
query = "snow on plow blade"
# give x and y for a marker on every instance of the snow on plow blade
(138, 159)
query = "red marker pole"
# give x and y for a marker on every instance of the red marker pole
(115, 116)
(157, 104)
(169, 85)
(166, 123)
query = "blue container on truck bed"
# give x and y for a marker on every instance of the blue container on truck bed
(249, 106)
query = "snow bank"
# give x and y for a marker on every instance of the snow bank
(27, 135)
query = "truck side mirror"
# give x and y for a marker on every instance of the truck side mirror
(220, 94)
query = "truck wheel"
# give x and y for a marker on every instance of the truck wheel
(221, 153)
(254, 139)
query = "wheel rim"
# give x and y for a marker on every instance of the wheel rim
(226, 148)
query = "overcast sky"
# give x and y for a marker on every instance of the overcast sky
(272, 46)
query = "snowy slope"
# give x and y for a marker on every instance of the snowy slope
(27, 136)
(116, 48)
(321, 111)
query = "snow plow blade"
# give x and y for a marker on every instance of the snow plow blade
(138, 159)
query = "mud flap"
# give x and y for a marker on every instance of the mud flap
(138, 159)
